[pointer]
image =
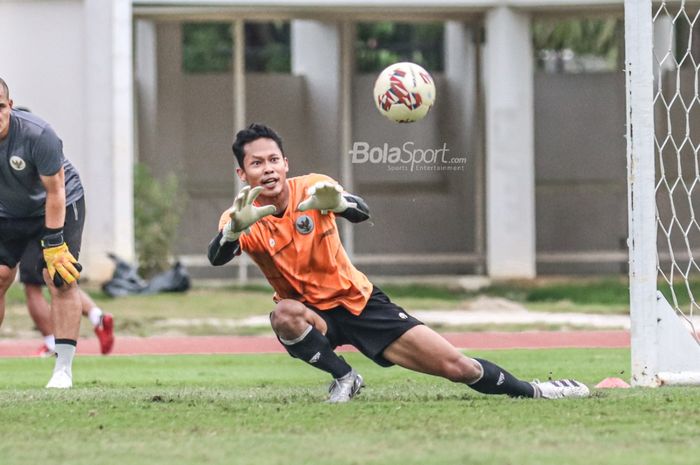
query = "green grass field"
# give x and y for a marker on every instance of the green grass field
(268, 409)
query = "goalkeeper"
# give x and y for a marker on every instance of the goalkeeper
(41, 200)
(288, 227)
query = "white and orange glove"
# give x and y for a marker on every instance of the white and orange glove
(325, 196)
(243, 214)
(60, 263)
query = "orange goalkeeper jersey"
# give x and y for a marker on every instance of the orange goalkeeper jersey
(302, 257)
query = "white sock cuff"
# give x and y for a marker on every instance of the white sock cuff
(291, 342)
(482, 373)
(50, 342)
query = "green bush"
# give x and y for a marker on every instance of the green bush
(158, 207)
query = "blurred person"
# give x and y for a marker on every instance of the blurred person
(288, 227)
(41, 201)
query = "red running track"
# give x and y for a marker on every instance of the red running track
(269, 344)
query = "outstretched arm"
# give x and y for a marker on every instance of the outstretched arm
(243, 213)
(328, 196)
(221, 252)
(234, 222)
(357, 210)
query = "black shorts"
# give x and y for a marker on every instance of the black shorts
(372, 331)
(20, 241)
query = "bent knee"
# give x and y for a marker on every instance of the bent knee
(7, 277)
(287, 313)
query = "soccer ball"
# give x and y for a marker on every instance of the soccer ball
(404, 92)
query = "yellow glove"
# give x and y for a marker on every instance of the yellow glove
(60, 263)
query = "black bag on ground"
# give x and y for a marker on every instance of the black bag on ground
(125, 279)
(176, 279)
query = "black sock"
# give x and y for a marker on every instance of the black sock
(496, 380)
(314, 349)
(70, 342)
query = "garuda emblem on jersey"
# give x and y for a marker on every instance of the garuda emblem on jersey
(17, 163)
(304, 224)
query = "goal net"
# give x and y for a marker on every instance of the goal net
(662, 66)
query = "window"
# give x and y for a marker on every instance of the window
(380, 44)
(267, 47)
(578, 45)
(208, 47)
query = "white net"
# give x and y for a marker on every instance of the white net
(677, 146)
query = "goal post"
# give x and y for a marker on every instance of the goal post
(663, 178)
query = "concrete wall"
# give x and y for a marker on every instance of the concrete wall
(193, 132)
(205, 165)
(209, 165)
(26, 61)
(580, 167)
(579, 156)
(580, 175)
(414, 212)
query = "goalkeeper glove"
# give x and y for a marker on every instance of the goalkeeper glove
(60, 263)
(243, 214)
(325, 196)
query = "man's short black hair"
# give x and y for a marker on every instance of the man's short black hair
(253, 132)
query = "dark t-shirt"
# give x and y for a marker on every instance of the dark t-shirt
(31, 149)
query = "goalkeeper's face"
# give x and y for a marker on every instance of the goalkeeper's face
(265, 165)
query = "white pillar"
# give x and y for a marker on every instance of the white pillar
(107, 173)
(510, 170)
(460, 62)
(146, 81)
(238, 86)
(322, 53)
(315, 50)
(347, 178)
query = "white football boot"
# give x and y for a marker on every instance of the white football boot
(345, 388)
(60, 379)
(559, 389)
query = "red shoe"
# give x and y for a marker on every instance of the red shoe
(45, 352)
(105, 333)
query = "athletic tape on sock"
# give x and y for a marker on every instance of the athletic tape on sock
(291, 342)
